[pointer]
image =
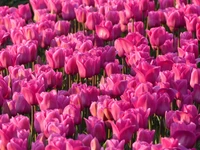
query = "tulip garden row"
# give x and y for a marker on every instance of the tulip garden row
(100, 74)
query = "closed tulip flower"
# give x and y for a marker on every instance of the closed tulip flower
(62, 27)
(93, 19)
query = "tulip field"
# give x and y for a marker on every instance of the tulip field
(100, 75)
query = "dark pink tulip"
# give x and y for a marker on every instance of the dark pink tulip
(191, 21)
(104, 30)
(80, 14)
(85, 62)
(74, 112)
(113, 143)
(86, 46)
(93, 19)
(4, 118)
(157, 36)
(29, 90)
(68, 12)
(166, 3)
(21, 105)
(137, 39)
(123, 129)
(153, 19)
(25, 11)
(145, 135)
(55, 57)
(45, 25)
(62, 27)
(94, 127)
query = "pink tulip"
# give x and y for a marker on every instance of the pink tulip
(46, 36)
(195, 76)
(147, 76)
(56, 142)
(52, 78)
(80, 14)
(169, 142)
(93, 19)
(76, 144)
(3, 36)
(195, 93)
(21, 122)
(55, 58)
(29, 90)
(38, 4)
(17, 144)
(68, 12)
(184, 133)
(47, 100)
(109, 17)
(62, 27)
(153, 20)
(157, 36)
(141, 145)
(139, 27)
(145, 135)
(84, 61)
(166, 3)
(85, 138)
(21, 105)
(123, 129)
(113, 68)
(191, 21)
(37, 145)
(54, 6)
(9, 107)
(113, 143)
(88, 2)
(95, 145)
(174, 19)
(25, 12)
(95, 126)
(70, 65)
(74, 112)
